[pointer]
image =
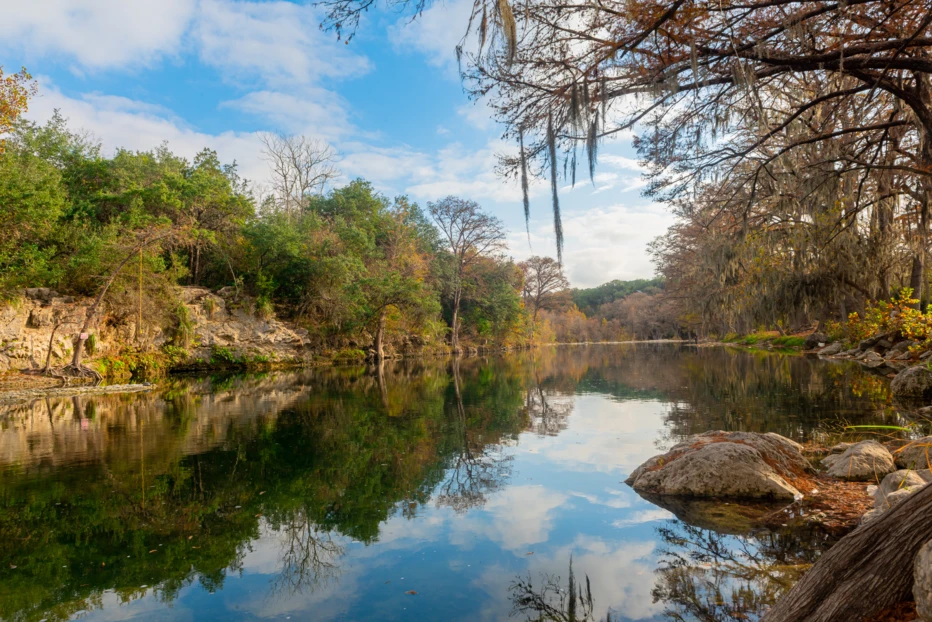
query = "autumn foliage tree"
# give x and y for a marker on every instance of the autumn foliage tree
(15, 91)
(544, 282)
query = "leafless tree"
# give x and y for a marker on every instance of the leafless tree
(301, 167)
(470, 234)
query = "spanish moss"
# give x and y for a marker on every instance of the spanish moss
(557, 224)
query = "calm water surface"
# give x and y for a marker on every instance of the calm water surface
(336, 494)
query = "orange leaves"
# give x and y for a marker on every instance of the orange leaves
(15, 91)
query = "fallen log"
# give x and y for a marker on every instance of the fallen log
(866, 572)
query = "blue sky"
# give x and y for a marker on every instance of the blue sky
(213, 73)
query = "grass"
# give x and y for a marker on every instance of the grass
(789, 341)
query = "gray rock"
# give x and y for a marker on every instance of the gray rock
(815, 340)
(853, 351)
(903, 479)
(925, 355)
(42, 294)
(903, 346)
(913, 382)
(870, 342)
(724, 464)
(870, 357)
(915, 455)
(832, 349)
(922, 581)
(864, 461)
(884, 344)
(897, 497)
(871, 515)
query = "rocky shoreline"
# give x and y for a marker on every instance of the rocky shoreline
(835, 489)
(15, 396)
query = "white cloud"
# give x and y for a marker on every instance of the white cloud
(600, 243)
(121, 122)
(276, 43)
(621, 576)
(477, 114)
(512, 530)
(311, 111)
(97, 34)
(435, 33)
(621, 162)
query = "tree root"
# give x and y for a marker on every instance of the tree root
(866, 572)
(73, 372)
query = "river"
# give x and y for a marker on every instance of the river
(421, 490)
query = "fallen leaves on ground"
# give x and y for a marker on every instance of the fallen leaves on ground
(901, 612)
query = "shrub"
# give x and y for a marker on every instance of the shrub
(896, 316)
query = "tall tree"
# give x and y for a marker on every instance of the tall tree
(543, 281)
(470, 234)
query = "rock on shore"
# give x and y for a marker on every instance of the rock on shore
(861, 462)
(725, 464)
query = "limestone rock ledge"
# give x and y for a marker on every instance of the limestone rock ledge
(216, 323)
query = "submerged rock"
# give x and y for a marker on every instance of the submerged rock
(913, 382)
(725, 464)
(864, 461)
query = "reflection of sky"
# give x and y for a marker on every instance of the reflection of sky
(565, 498)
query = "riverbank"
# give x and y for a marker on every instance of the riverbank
(854, 494)
(209, 331)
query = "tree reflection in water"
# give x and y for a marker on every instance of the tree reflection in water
(476, 468)
(704, 574)
(552, 602)
(202, 468)
(714, 577)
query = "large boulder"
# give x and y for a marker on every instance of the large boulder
(913, 382)
(922, 581)
(864, 461)
(816, 340)
(915, 455)
(725, 464)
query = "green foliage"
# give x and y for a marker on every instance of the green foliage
(345, 266)
(184, 328)
(349, 354)
(788, 341)
(221, 356)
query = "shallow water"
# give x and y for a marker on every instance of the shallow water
(336, 493)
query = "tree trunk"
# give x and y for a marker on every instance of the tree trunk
(379, 337)
(92, 310)
(915, 278)
(454, 333)
(869, 570)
